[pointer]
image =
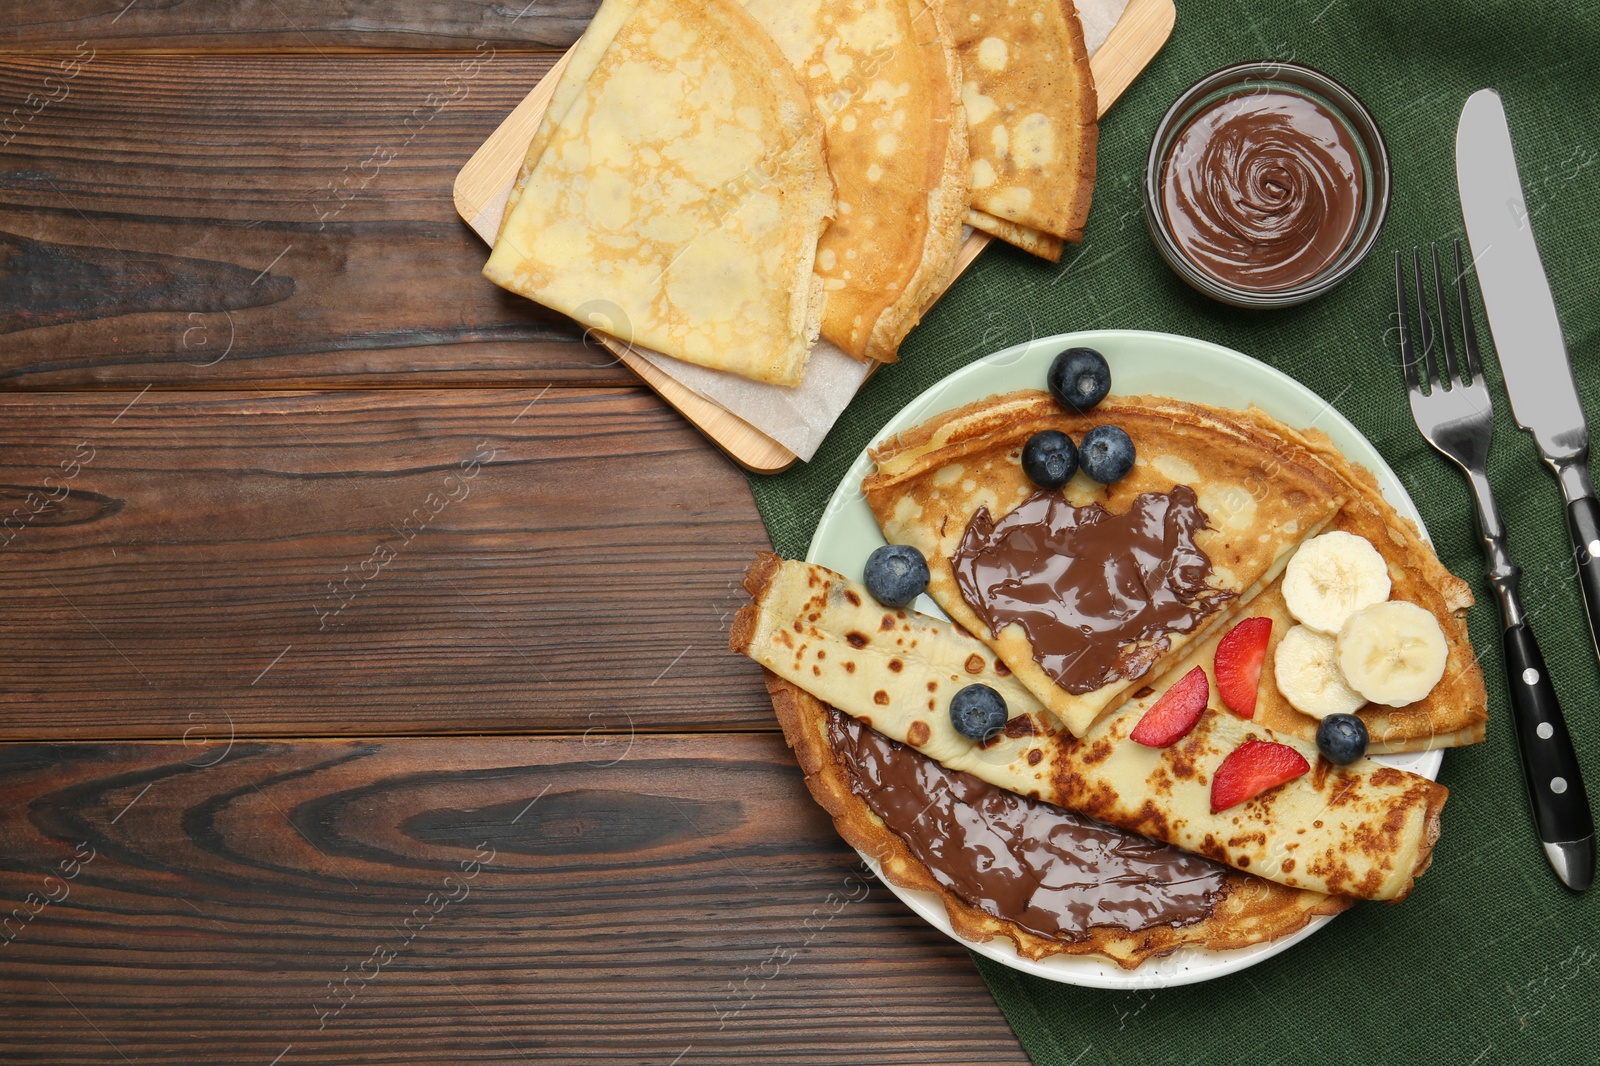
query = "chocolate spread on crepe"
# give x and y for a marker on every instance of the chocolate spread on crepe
(1052, 872)
(1253, 476)
(1262, 496)
(1364, 830)
(1248, 910)
(1097, 593)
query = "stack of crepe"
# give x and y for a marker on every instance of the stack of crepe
(724, 182)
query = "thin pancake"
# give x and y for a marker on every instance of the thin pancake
(1363, 830)
(581, 63)
(1250, 911)
(1044, 245)
(1456, 711)
(884, 77)
(683, 190)
(1031, 111)
(933, 479)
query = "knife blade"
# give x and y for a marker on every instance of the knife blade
(1544, 400)
(1527, 333)
(1516, 296)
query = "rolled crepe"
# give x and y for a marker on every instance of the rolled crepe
(1364, 830)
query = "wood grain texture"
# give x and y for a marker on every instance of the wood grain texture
(207, 222)
(435, 561)
(427, 901)
(291, 25)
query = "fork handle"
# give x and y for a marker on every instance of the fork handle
(1583, 522)
(1549, 763)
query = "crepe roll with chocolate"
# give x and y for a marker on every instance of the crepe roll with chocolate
(1365, 830)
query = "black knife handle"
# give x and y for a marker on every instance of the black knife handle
(1549, 764)
(1583, 521)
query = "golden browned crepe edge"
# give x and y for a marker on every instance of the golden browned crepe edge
(946, 213)
(1252, 910)
(1089, 122)
(1395, 729)
(1076, 213)
(1044, 245)
(977, 425)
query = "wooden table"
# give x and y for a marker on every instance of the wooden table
(366, 695)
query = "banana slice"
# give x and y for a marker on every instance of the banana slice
(1307, 674)
(1331, 577)
(1392, 653)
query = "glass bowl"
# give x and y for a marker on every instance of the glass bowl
(1341, 105)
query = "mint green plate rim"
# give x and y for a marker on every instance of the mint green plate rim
(1142, 363)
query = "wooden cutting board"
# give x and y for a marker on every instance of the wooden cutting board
(483, 185)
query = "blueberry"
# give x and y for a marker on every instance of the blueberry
(1079, 379)
(1342, 738)
(896, 574)
(1049, 458)
(978, 712)
(1106, 454)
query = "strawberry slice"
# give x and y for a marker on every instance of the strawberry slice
(1239, 657)
(1175, 713)
(1251, 769)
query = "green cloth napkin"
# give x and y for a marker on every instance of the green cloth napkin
(1491, 960)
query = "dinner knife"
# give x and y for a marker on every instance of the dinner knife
(1544, 400)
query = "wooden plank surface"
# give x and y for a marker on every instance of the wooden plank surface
(433, 561)
(206, 222)
(428, 901)
(291, 25)
(192, 553)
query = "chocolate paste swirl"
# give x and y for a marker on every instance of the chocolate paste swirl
(1053, 872)
(1262, 190)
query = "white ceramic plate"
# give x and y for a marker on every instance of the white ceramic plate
(1152, 363)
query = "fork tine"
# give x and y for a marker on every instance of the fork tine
(1452, 365)
(1424, 320)
(1469, 332)
(1408, 354)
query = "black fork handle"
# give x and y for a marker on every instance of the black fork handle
(1549, 763)
(1583, 521)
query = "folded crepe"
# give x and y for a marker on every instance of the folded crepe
(1031, 118)
(1044, 245)
(960, 472)
(676, 191)
(1456, 710)
(1364, 830)
(884, 77)
(1055, 898)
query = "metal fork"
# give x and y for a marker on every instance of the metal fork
(1455, 414)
